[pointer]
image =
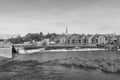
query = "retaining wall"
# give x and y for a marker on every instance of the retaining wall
(6, 51)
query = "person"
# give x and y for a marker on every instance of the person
(13, 51)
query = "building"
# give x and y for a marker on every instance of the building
(102, 39)
(45, 42)
(27, 43)
(66, 38)
(90, 39)
(99, 39)
(76, 39)
(86, 39)
(62, 40)
(118, 39)
(112, 38)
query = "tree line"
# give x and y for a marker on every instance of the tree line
(33, 36)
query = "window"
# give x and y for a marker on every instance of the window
(96, 40)
(80, 41)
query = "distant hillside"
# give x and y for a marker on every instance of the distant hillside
(7, 36)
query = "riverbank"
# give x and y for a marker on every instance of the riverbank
(108, 61)
(64, 69)
(111, 65)
(58, 66)
(105, 64)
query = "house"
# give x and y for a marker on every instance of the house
(112, 39)
(27, 43)
(90, 39)
(102, 39)
(77, 39)
(62, 40)
(68, 39)
(99, 39)
(95, 39)
(118, 39)
(45, 42)
(86, 39)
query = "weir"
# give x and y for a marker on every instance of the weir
(9, 51)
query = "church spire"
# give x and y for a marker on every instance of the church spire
(66, 30)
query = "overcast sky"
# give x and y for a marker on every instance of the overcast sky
(80, 16)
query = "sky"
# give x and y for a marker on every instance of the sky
(80, 16)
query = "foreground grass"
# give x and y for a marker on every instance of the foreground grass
(105, 64)
(25, 70)
(31, 69)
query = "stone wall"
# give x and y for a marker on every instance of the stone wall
(6, 51)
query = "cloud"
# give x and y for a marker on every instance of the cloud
(81, 16)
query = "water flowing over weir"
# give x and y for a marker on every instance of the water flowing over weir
(9, 51)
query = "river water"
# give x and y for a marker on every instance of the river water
(70, 72)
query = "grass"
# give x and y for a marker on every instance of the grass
(105, 64)
(28, 67)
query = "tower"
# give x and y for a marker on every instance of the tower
(66, 31)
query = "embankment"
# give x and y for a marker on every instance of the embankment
(108, 61)
(104, 64)
(6, 51)
(111, 65)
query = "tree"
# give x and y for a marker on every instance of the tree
(34, 36)
(51, 36)
(17, 40)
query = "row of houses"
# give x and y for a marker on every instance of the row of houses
(90, 39)
(77, 39)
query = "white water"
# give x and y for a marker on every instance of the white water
(84, 49)
(22, 51)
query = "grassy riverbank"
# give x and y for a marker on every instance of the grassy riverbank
(30, 66)
(33, 69)
(104, 64)
(108, 61)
